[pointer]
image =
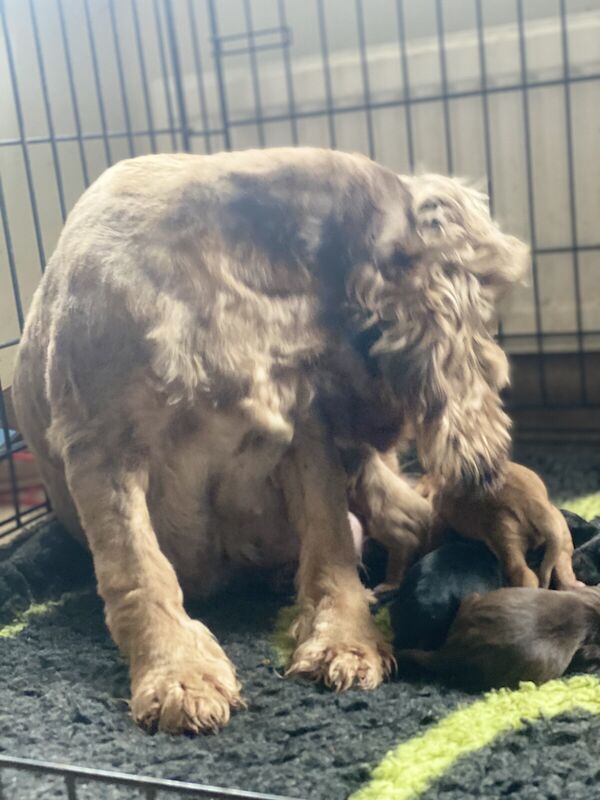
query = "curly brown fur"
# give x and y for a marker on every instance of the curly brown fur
(512, 635)
(515, 519)
(175, 362)
(435, 348)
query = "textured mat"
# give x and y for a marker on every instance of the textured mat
(64, 688)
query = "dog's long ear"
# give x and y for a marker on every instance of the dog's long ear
(443, 367)
(433, 295)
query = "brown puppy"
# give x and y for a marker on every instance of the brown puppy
(512, 635)
(515, 519)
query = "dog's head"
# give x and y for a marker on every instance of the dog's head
(452, 220)
(432, 292)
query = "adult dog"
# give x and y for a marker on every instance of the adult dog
(208, 334)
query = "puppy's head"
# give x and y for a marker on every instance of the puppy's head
(433, 293)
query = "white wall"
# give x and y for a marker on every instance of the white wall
(548, 128)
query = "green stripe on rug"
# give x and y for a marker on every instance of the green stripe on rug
(282, 641)
(587, 506)
(22, 620)
(414, 765)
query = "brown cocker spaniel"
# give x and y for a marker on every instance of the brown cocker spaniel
(217, 345)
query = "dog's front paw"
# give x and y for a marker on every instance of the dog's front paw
(342, 658)
(343, 664)
(189, 698)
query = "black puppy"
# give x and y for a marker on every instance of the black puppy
(427, 603)
(586, 558)
(428, 600)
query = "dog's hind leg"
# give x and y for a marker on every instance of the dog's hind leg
(181, 679)
(336, 638)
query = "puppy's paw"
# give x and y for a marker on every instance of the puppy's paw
(341, 658)
(190, 698)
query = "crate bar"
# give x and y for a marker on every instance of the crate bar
(553, 429)
(97, 84)
(364, 66)
(329, 109)
(485, 106)
(579, 248)
(70, 787)
(12, 266)
(5, 533)
(48, 111)
(257, 48)
(552, 407)
(289, 77)
(572, 201)
(93, 136)
(23, 142)
(553, 335)
(179, 91)
(136, 781)
(12, 472)
(406, 101)
(485, 109)
(199, 70)
(244, 121)
(143, 75)
(17, 446)
(531, 205)
(260, 127)
(254, 34)
(165, 74)
(26, 518)
(222, 92)
(10, 343)
(121, 75)
(439, 21)
(73, 92)
(401, 102)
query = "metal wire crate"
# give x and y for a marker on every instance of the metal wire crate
(504, 89)
(73, 778)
